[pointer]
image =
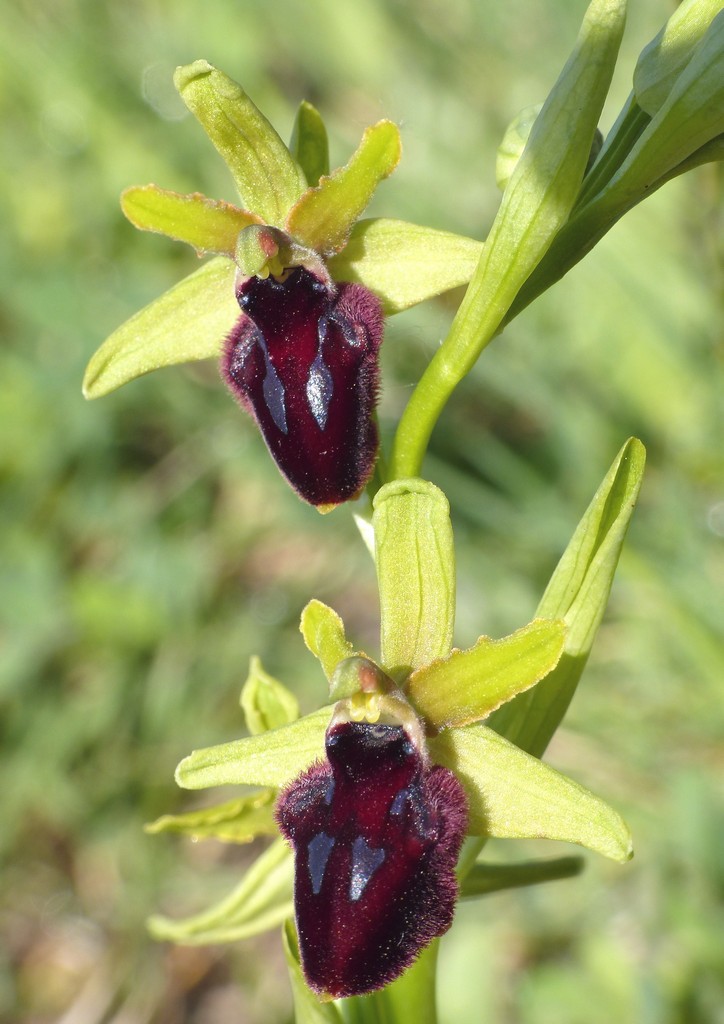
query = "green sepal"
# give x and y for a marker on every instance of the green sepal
(536, 204)
(665, 57)
(267, 176)
(467, 685)
(269, 759)
(190, 321)
(266, 703)
(323, 217)
(578, 592)
(236, 821)
(415, 562)
(211, 226)
(404, 263)
(324, 635)
(308, 1009)
(261, 901)
(512, 795)
(309, 145)
(484, 878)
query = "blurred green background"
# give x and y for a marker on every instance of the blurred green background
(149, 546)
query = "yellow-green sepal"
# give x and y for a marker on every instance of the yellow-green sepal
(270, 759)
(267, 176)
(415, 562)
(512, 795)
(260, 902)
(190, 321)
(266, 703)
(404, 263)
(235, 821)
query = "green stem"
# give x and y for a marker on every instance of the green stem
(411, 998)
(619, 142)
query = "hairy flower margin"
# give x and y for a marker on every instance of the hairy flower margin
(294, 299)
(436, 697)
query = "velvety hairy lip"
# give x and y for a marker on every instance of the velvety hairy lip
(303, 360)
(376, 835)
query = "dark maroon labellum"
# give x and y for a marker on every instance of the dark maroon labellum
(376, 835)
(302, 359)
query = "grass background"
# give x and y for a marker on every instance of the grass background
(148, 546)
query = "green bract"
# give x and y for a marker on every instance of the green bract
(510, 792)
(293, 212)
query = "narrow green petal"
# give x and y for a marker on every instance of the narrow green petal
(467, 685)
(485, 878)
(323, 632)
(405, 263)
(416, 574)
(323, 217)
(536, 204)
(236, 821)
(188, 322)
(268, 178)
(269, 759)
(309, 145)
(307, 1008)
(209, 225)
(578, 592)
(266, 703)
(668, 53)
(261, 901)
(512, 795)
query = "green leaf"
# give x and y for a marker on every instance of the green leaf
(512, 795)
(236, 821)
(537, 201)
(485, 878)
(323, 632)
(405, 263)
(209, 225)
(323, 217)
(309, 145)
(307, 1008)
(416, 574)
(691, 117)
(467, 685)
(261, 901)
(269, 759)
(268, 178)
(188, 322)
(668, 53)
(578, 592)
(266, 703)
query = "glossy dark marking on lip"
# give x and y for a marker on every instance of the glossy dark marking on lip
(303, 360)
(387, 885)
(318, 851)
